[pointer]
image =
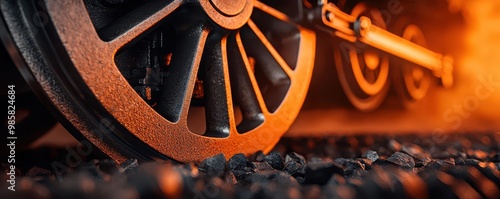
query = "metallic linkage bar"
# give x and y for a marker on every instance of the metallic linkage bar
(351, 29)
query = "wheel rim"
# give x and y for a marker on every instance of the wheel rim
(411, 82)
(217, 42)
(363, 71)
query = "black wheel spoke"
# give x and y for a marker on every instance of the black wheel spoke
(136, 23)
(272, 63)
(279, 29)
(268, 64)
(164, 72)
(176, 95)
(246, 90)
(217, 89)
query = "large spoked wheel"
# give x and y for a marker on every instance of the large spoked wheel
(410, 81)
(363, 71)
(126, 84)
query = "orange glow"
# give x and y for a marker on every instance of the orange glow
(478, 71)
(470, 105)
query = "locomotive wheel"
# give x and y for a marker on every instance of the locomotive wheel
(32, 119)
(410, 81)
(71, 63)
(363, 71)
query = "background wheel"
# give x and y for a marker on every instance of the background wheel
(362, 70)
(410, 81)
(123, 75)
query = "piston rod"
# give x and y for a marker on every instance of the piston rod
(362, 30)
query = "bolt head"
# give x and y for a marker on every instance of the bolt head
(365, 23)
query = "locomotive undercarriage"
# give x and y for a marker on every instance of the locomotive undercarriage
(190, 79)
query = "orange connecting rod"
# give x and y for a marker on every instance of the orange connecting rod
(351, 29)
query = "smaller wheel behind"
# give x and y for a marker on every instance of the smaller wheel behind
(410, 81)
(363, 71)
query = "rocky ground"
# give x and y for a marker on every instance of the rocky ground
(444, 166)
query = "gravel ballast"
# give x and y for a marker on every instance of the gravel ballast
(334, 167)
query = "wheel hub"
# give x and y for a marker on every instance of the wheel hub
(418, 74)
(163, 48)
(372, 60)
(229, 8)
(230, 15)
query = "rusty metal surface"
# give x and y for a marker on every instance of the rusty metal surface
(92, 59)
(248, 63)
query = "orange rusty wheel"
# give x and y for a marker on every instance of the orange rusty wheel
(363, 71)
(126, 83)
(410, 81)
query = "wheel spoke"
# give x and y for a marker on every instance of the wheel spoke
(271, 11)
(245, 86)
(272, 72)
(279, 29)
(142, 69)
(178, 89)
(134, 24)
(274, 65)
(217, 90)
